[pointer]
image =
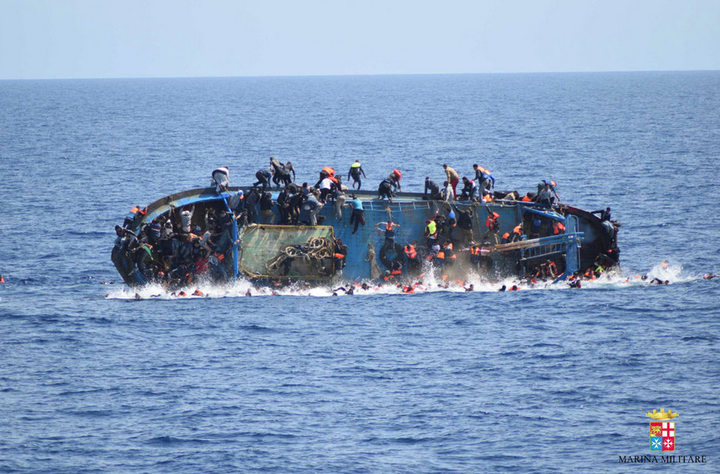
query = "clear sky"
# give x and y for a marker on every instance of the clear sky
(179, 38)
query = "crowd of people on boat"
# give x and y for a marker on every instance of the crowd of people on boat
(182, 246)
(172, 249)
(478, 188)
(300, 204)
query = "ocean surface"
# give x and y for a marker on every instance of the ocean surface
(542, 380)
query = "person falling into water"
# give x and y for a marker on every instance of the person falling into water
(355, 172)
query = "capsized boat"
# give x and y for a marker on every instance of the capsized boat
(216, 244)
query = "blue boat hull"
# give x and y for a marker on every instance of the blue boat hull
(368, 251)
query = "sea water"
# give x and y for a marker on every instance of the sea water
(546, 379)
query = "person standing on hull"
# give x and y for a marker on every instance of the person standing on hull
(386, 186)
(484, 179)
(326, 172)
(281, 172)
(544, 196)
(434, 190)
(220, 179)
(263, 177)
(452, 177)
(327, 185)
(355, 172)
(289, 169)
(447, 192)
(470, 190)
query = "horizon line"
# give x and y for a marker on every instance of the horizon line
(270, 76)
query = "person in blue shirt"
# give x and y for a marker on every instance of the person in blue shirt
(358, 214)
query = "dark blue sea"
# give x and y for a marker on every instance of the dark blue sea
(542, 380)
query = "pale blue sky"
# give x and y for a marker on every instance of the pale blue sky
(179, 38)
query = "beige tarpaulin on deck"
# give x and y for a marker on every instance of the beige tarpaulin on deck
(280, 251)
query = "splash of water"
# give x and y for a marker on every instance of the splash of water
(430, 282)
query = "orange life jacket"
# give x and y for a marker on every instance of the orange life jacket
(526, 199)
(518, 229)
(491, 220)
(329, 171)
(487, 198)
(506, 235)
(558, 228)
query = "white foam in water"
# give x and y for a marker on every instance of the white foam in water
(430, 283)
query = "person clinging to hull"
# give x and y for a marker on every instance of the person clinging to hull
(356, 171)
(357, 217)
(492, 223)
